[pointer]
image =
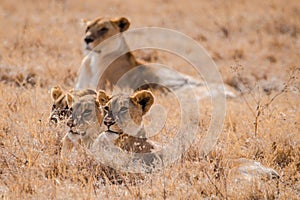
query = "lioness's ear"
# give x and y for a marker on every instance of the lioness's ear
(56, 92)
(122, 22)
(69, 99)
(144, 98)
(87, 22)
(84, 22)
(102, 97)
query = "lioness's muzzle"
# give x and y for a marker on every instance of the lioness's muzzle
(88, 39)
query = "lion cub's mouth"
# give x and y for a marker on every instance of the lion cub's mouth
(115, 132)
(76, 132)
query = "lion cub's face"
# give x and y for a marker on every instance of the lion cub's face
(60, 108)
(85, 121)
(125, 112)
(87, 115)
(100, 29)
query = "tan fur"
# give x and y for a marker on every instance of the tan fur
(85, 122)
(60, 109)
(102, 97)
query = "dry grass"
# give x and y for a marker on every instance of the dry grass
(256, 47)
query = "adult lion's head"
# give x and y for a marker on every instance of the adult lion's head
(101, 28)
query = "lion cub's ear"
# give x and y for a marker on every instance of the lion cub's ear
(143, 98)
(122, 22)
(56, 92)
(69, 99)
(102, 97)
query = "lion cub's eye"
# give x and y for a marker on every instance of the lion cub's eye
(123, 109)
(87, 112)
(102, 30)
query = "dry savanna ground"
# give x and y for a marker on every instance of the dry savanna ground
(256, 46)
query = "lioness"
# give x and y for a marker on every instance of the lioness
(92, 65)
(85, 121)
(60, 109)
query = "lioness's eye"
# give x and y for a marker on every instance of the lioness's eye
(53, 107)
(103, 30)
(123, 109)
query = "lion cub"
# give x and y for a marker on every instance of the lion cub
(60, 109)
(124, 119)
(85, 121)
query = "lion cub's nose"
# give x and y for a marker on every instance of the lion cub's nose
(71, 122)
(108, 121)
(88, 39)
